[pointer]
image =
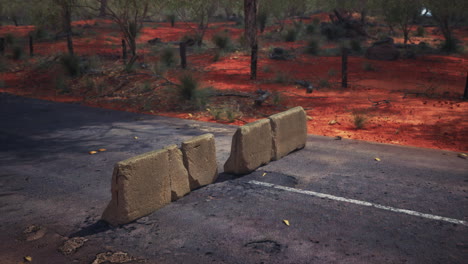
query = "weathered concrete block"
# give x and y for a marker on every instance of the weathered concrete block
(289, 131)
(140, 186)
(251, 147)
(200, 160)
(177, 173)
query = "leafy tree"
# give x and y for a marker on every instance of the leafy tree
(447, 14)
(401, 14)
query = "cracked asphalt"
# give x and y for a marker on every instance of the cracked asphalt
(49, 183)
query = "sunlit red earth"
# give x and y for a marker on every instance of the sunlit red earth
(434, 118)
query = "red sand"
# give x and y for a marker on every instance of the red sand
(436, 119)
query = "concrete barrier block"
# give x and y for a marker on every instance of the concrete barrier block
(140, 186)
(289, 131)
(199, 155)
(177, 173)
(251, 147)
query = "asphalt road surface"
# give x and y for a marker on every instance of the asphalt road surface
(342, 205)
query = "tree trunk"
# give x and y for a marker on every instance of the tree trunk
(253, 62)
(66, 8)
(250, 13)
(31, 47)
(103, 8)
(183, 55)
(124, 51)
(344, 67)
(2, 46)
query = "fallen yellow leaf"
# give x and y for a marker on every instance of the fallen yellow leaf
(102, 149)
(377, 159)
(462, 155)
(28, 258)
(286, 222)
(92, 152)
(263, 175)
(190, 115)
(135, 137)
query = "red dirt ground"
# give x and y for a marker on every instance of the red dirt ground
(434, 118)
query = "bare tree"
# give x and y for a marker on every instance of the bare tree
(128, 15)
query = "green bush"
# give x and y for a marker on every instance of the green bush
(332, 31)
(188, 85)
(262, 19)
(355, 45)
(168, 57)
(222, 41)
(17, 52)
(3, 65)
(61, 85)
(420, 31)
(291, 35)
(10, 39)
(281, 77)
(310, 29)
(71, 63)
(226, 113)
(367, 66)
(324, 83)
(190, 90)
(312, 47)
(171, 18)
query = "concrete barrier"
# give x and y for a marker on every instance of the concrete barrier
(140, 186)
(178, 175)
(251, 147)
(199, 156)
(289, 131)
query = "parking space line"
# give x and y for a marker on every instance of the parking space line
(363, 203)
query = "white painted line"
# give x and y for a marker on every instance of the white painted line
(363, 203)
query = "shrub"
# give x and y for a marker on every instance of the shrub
(324, 83)
(61, 85)
(190, 90)
(3, 65)
(17, 52)
(40, 33)
(226, 113)
(222, 41)
(312, 47)
(171, 18)
(217, 56)
(359, 119)
(367, 66)
(316, 21)
(310, 29)
(262, 19)
(168, 57)
(451, 45)
(188, 85)
(291, 35)
(281, 77)
(10, 39)
(71, 63)
(355, 45)
(332, 31)
(420, 31)
(277, 98)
